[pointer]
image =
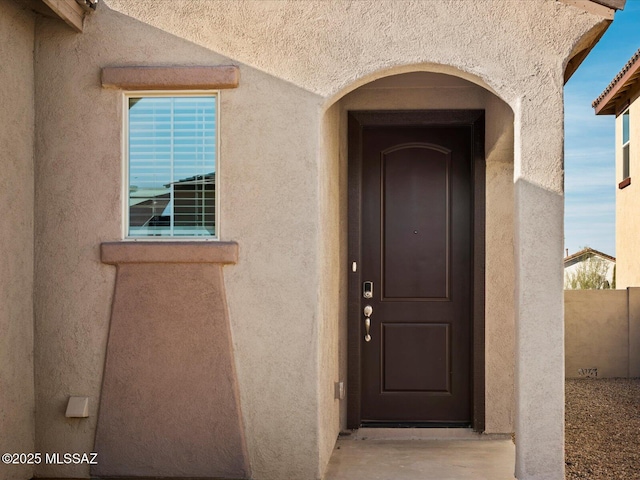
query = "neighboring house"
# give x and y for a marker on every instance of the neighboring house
(595, 263)
(620, 98)
(191, 200)
(146, 207)
(387, 175)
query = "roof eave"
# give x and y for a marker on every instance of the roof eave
(605, 9)
(607, 103)
(587, 251)
(581, 53)
(615, 4)
(68, 10)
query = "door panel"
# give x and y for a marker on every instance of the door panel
(415, 193)
(416, 211)
(424, 346)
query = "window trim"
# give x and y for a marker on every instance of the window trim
(126, 95)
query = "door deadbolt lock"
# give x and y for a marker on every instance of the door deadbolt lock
(367, 289)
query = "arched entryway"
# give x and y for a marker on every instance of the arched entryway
(414, 98)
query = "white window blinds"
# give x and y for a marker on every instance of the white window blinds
(172, 166)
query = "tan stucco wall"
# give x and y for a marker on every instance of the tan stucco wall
(281, 203)
(500, 268)
(270, 183)
(332, 261)
(269, 180)
(627, 201)
(424, 90)
(601, 332)
(329, 47)
(16, 236)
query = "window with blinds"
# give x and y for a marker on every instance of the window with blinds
(171, 153)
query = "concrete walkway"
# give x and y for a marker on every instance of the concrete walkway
(421, 454)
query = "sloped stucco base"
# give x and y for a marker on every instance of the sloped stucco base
(169, 404)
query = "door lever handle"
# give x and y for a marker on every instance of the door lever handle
(368, 310)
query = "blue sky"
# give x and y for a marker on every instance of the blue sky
(590, 182)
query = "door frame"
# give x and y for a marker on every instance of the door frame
(357, 120)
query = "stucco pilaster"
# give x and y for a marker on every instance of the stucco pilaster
(634, 331)
(539, 211)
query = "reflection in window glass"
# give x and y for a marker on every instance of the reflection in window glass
(172, 166)
(625, 127)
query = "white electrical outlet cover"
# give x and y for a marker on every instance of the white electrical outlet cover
(78, 407)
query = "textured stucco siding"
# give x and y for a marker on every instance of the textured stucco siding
(627, 201)
(332, 47)
(269, 182)
(77, 203)
(283, 199)
(16, 235)
(169, 405)
(332, 262)
(500, 268)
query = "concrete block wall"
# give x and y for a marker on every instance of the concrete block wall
(602, 333)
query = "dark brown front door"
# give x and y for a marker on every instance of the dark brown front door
(416, 234)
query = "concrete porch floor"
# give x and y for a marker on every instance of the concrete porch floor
(421, 454)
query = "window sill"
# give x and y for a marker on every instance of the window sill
(114, 253)
(624, 183)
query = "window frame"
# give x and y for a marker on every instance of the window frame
(126, 95)
(626, 146)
